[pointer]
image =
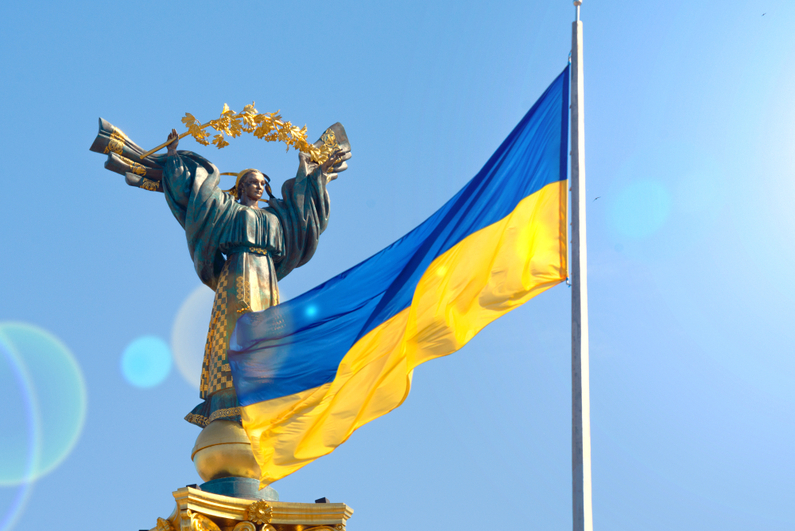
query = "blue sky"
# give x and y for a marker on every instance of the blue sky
(689, 148)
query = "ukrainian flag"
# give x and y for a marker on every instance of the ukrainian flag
(312, 370)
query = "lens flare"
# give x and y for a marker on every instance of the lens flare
(146, 362)
(664, 201)
(189, 333)
(37, 366)
(32, 432)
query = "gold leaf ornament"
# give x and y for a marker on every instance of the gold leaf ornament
(189, 120)
(270, 127)
(219, 141)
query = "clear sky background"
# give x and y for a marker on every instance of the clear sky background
(690, 150)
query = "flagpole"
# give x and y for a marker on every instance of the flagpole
(580, 389)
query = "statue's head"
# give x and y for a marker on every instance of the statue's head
(251, 183)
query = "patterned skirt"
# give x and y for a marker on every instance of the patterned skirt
(247, 283)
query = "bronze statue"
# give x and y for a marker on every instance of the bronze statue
(238, 249)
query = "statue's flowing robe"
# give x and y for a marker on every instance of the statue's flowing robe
(239, 252)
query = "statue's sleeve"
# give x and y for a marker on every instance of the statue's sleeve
(303, 215)
(190, 183)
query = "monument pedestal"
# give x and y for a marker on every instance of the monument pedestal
(198, 510)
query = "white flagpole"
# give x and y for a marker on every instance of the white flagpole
(580, 389)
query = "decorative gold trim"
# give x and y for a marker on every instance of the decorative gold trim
(227, 512)
(202, 421)
(245, 526)
(199, 420)
(259, 512)
(243, 294)
(199, 522)
(223, 413)
(116, 142)
(148, 184)
(164, 525)
(138, 169)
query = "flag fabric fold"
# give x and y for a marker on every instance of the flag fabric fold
(310, 371)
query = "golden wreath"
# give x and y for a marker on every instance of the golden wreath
(270, 127)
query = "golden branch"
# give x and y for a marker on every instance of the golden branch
(270, 127)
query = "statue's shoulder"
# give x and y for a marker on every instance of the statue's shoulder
(198, 160)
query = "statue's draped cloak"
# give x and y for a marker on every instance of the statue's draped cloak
(215, 223)
(236, 251)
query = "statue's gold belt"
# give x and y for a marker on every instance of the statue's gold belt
(246, 249)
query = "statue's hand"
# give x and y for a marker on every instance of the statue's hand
(172, 147)
(335, 164)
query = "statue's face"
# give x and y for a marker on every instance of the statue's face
(252, 186)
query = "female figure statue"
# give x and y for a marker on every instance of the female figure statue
(238, 249)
